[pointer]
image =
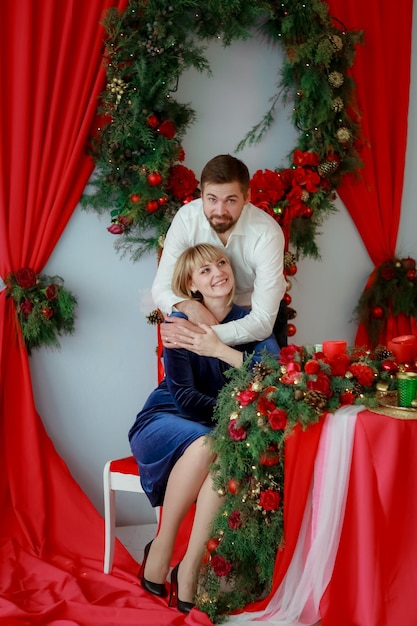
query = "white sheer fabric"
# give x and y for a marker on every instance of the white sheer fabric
(297, 600)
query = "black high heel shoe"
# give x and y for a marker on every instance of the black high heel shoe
(157, 589)
(184, 607)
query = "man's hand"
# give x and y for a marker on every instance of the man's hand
(196, 312)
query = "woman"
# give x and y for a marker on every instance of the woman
(169, 437)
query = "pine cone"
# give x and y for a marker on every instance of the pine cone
(381, 353)
(289, 259)
(316, 399)
(260, 371)
(357, 389)
(327, 167)
(155, 317)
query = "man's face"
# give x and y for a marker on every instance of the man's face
(223, 205)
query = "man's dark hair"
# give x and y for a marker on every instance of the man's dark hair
(226, 168)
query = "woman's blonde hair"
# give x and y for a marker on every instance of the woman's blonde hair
(190, 260)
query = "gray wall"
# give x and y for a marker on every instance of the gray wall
(89, 392)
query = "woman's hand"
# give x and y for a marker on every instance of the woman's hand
(206, 343)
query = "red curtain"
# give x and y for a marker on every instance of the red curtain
(382, 75)
(51, 537)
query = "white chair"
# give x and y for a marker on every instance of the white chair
(118, 475)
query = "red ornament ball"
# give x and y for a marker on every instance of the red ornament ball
(291, 330)
(152, 206)
(411, 274)
(291, 271)
(154, 179)
(287, 298)
(212, 544)
(152, 121)
(163, 200)
(307, 213)
(389, 365)
(377, 312)
(135, 197)
(233, 486)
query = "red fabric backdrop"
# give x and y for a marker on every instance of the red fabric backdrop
(382, 75)
(51, 538)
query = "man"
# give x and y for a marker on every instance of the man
(252, 240)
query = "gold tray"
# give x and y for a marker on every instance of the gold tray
(387, 401)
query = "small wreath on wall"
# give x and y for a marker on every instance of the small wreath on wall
(140, 176)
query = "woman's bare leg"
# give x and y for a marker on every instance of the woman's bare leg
(183, 488)
(207, 505)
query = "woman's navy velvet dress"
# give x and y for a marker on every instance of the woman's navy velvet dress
(180, 409)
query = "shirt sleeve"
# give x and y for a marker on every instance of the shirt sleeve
(175, 243)
(269, 289)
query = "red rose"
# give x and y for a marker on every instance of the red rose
(167, 129)
(235, 521)
(278, 419)
(266, 188)
(220, 566)
(116, 229)
(26, 307)
(246, 397)
(301, 158)
(26, 278)
(322, 384)
(291, 378)
(288, 353)
(265, 405)
(181, 182)
(51, 292)
(270, 500)
(125, 220)
(237, 433)
(363, 373)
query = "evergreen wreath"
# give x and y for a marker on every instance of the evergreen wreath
(392, 290)
(140, 177)
(44, 308)
(255, 413)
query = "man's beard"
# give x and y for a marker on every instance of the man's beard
(224, 226)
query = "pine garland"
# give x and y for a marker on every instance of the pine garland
(45, 309)
(255, 413)
(140, 177)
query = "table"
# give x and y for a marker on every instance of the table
(374, 581)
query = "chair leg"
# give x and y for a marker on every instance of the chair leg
(109, 521)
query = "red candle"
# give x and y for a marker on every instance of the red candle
(333, 348)
(404, 348)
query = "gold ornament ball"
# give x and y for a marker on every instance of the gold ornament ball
(343, 135)
(336, 79)
(337, 104)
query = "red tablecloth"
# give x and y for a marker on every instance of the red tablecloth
(374, 582)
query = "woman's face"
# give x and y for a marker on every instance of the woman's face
(213, 279)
